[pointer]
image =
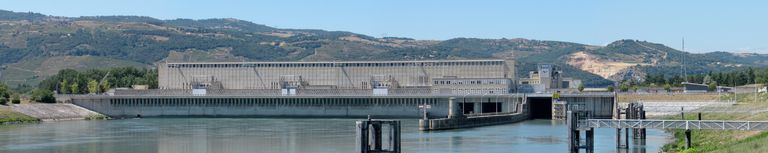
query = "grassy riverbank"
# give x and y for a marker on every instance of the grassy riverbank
(8, 116)
(728, 140)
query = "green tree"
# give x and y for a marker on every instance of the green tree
(64, 87)
(610, 88)
(707, 80)
(581, 87)
(74, 88)
(140, 81)
(635, 88)
(750, 75)
(43, 96)
(93, 86)
(118, 77)
(623, 88)
(15, 99)
(4, 91)
(667, 87)
(105, 86)
(711, 86)
(3, 100)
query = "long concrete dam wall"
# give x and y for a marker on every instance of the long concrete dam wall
(383, 107)
(387, 106)
(288, 106)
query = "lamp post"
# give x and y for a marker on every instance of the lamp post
(754, 82)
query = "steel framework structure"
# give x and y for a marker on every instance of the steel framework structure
(675, 124)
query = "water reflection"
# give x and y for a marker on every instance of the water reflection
(177, 135)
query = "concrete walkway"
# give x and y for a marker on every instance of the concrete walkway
(50, 112)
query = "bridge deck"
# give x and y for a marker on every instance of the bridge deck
(674, 124)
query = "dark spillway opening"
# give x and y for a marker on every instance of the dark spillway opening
(540, 107)
(491, 107)
(468, 108)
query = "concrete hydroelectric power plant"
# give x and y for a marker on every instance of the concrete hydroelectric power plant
(445, 94)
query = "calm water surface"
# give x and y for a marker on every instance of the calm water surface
(185, 135)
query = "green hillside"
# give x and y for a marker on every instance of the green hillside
(30, 38)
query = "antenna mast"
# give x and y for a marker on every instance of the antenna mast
(682, 65)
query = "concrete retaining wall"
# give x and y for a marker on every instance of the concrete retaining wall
(455, 123)
(53, 111)
(477, 120)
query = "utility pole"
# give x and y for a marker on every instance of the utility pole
(734, 90)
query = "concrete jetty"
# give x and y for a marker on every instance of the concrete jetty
(456, 119)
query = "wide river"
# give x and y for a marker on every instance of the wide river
(280, 135)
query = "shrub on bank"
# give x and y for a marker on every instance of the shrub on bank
(691, 150)
(43, 96)
(97, 117)
(15, 99)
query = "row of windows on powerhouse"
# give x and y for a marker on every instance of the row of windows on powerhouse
(477, 63)
(471, 82)
(365, 84)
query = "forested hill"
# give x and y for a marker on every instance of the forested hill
(34, 46)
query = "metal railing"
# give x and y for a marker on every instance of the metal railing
(490, 114)
(675, 124)
(300, 92)
(704, 109)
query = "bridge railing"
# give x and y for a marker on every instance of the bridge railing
(490, 114)
(674, 124)
(707, 109)
(300, 92)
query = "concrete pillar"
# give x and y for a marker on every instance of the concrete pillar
(453, 108)
(478, 106)
(642, 131)
(362, 137)
(590, 139)
(376, 127)
(687, 138)
(626, 138)
(618, 138)
(682, 113)
(423, 124)
(576, 140)
(394, 136)
(573, 133)
(630, 114)
(699, 116)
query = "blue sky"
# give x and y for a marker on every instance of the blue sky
(737, 26)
